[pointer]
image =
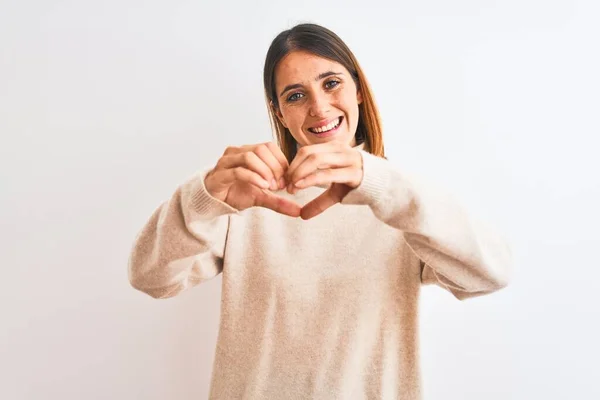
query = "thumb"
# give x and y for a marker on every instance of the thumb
(332, 196)
(268, 199)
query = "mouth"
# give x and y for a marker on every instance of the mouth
(328, 129)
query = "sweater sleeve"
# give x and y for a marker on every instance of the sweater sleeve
(457, 252)
(182, 244)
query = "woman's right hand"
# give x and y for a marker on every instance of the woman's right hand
(248, 176)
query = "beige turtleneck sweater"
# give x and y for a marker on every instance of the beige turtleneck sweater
(324, 308)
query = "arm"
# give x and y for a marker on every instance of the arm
(457, 252)
(182, 243)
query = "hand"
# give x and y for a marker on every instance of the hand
(332, 163)
(247, 176)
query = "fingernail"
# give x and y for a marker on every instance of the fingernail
(281, 183)
(274, 185)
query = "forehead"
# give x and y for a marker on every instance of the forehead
(302, 67)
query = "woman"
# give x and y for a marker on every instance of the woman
(323, 306)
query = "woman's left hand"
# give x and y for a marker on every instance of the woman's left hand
(337, 164)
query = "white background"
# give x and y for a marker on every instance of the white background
(107, 106)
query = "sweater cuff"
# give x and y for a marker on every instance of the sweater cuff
(375, 184)
(201, 201)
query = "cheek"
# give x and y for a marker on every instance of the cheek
(352, 111)
(295, 117)
(349, 101)
(351, 108)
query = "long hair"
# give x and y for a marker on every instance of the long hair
(324, 43)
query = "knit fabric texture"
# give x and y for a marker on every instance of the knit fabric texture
(325, 308)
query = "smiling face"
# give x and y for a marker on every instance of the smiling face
(318, 99)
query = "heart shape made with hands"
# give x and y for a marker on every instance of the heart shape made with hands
(333, 195)
(240, 177)
(334, 164)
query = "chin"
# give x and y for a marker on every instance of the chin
(336, 138)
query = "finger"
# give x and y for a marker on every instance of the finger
(230, 175)
(247, 160)
(265, 153)
(347, 175)
(306, 151)
(238, 149)
(330, 197)
(278, 204)
(278, 155)
(320, 161)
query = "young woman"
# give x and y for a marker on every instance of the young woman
(323, 243)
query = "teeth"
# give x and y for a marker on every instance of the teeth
(327, 127)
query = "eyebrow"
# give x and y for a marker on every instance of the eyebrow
(318, 78)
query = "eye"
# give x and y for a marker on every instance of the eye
(331, 84)
(293, 97)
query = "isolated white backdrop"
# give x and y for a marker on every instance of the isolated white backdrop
(106, 106)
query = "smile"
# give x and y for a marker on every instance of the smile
(327, 128)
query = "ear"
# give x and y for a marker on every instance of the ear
(359, 97)
(278, 114)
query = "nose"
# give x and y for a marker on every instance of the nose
(319, 105)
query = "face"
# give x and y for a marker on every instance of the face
(318, 99)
